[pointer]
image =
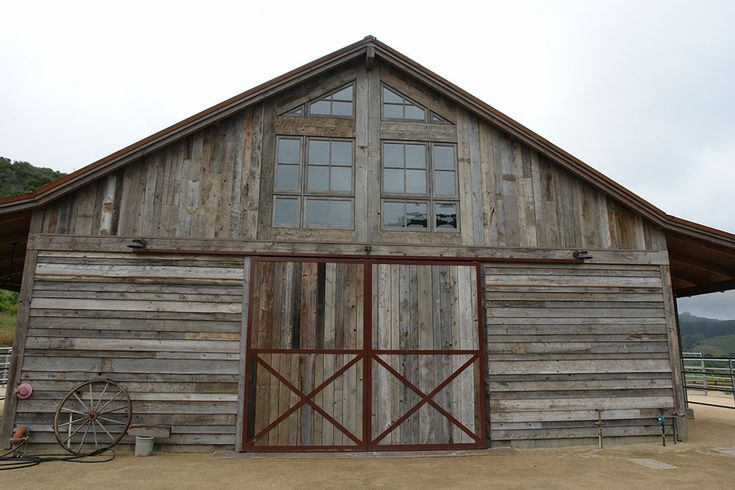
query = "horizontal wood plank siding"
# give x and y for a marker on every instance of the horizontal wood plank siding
(167, 328)
(564, 341)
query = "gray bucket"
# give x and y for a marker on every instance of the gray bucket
(143, 445)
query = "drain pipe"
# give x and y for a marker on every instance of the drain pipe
(599, 425)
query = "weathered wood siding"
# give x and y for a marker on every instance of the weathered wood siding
(566, 341)
(218, 182)
(166, 327)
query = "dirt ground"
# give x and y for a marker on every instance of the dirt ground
(697, 465)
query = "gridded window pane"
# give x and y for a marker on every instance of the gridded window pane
(320, 107)
(391, 97)
(393, 180)
(344, 94)
(446, 216)
(416, 215)
(342, 153)
(336, 104)
(340, 214)
(416, 156)
(416, 181)
(341, 108)
(393, 215)
(317, 212)
(341, 179)
(287, 177)
(393, 155)
(396, 106)
(444, 158)
(289, 150)
(286, 211)
(392, 111)
(444, 183)
(318, 152)
(414, 112)
(298, 111)
(318, 178)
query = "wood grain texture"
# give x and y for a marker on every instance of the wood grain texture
(566, 341)
(180, 372)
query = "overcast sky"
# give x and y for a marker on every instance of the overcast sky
(640, 90)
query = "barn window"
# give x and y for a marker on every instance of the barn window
(327, 169)
(404, 214)
(406, 170)
(328, 213)
(400, 107)
(339, 103)
(329, 166)
(286, 211)
(395, 106)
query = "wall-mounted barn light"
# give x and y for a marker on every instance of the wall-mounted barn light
(582, 255)
(137, 244)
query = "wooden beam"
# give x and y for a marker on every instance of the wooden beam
(674, 353)
(370, 57)
(704, 289)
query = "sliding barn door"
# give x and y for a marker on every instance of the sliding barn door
(363, 356)
(305, 356)
(426, 360)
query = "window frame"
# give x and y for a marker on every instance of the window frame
(302, 193)
(430, 198)
(305, 106)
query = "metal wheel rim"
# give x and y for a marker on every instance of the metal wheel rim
(96, 413)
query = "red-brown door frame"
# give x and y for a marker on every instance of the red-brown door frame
(367, 354)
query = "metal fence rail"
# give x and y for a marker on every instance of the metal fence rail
(709, 374)
(5, 355)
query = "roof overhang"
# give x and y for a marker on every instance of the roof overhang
(702, 258)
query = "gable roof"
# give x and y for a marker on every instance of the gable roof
(370, 47)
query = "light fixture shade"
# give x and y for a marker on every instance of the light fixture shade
(137, 244)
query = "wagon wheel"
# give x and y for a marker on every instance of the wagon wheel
(93, 416)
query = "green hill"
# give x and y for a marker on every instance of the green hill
(706, 335)
(18, 177)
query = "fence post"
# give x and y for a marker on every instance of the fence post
(704, 374)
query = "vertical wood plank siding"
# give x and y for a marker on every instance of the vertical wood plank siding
(166, 327)
(564, 342)
(217, 183)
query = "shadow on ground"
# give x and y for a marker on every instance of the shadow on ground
(697, 464)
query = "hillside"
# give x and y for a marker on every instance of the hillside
(15, 178)
(706, 335)
(18, 177)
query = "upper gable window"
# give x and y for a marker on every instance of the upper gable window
(396, 106)
(339, 103)
(401, 108)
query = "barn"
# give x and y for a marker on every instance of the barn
(357, 255)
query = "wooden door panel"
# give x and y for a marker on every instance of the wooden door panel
(426, 379)
(357, 355)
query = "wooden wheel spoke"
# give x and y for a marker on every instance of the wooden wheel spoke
(112, 421)
(113, 410)
(94, 434)
(84, 406)
(73, 421)
(64, 409)
(102, 395)
(77, 430)
(105, 429)
(84, 436)
(109, 401)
